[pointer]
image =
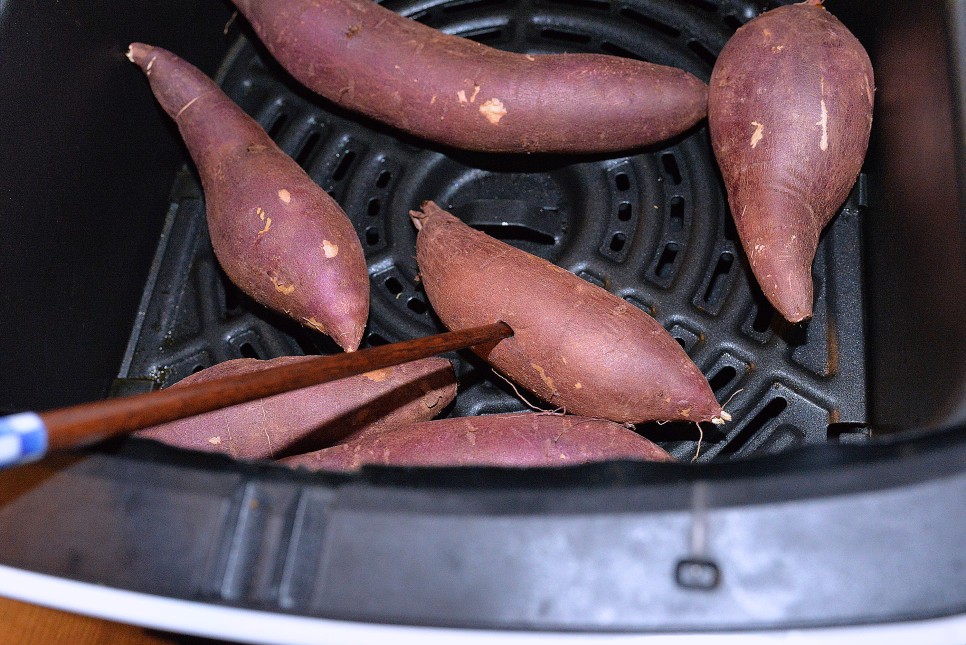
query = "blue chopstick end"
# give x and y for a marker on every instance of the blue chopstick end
(23, 438)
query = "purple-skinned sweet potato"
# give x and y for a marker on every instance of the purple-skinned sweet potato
(790, 112)
(575, 345)
(312, 417)
(515, 440)
(461, 93)
(275, 232)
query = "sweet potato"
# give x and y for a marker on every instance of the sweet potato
(518, 440)
(312, 417)
(460, 93)
(575, 345)
(277, 234)
(790, 111)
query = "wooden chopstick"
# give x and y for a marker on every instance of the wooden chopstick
(28, 436)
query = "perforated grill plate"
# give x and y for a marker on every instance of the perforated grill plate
(652, 227)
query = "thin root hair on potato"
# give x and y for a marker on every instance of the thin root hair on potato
(726, 416)
(522, 398)
(697, 451)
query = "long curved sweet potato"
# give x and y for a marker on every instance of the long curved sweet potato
(457, 92)
(790, 111)
(575, 345)
(312, 417)
(517, 440)
(277, 234)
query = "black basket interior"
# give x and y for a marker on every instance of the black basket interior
(652, 227)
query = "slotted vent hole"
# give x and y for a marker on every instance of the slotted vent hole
(473, 5)
(278, 122)
(565, 36)
(702, 52)
(722, 377)
(665, 264)
(650, 23)
(372, 208)
(308, 148)
(617, 50)
(671, 168)
(248, 351)
(676, 215)
(733, 23)
(716, 284)
(372, 236)
(617, 242)
(624, 211)
(417, 305)
(197, 368)
(486, 35)
(597, 5)
(683, 343)
(730, 231)
(591, 278)
(383, 179)
(232, 296)
(395, 286)
(375, 340)
(763, 317)
(344, 164)
(305, 343)
(703, 5)
(622, 181)
(515, 233)
(643, 306)
(766, 415)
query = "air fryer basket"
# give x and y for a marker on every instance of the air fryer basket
(652, 227)
(805, 511)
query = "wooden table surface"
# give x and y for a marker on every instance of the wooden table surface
(23, 624)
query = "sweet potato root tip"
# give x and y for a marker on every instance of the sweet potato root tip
(350, 339)
(138, 53)
(575, 345)
(781, 255)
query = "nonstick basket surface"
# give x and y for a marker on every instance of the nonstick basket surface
(652, 227)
